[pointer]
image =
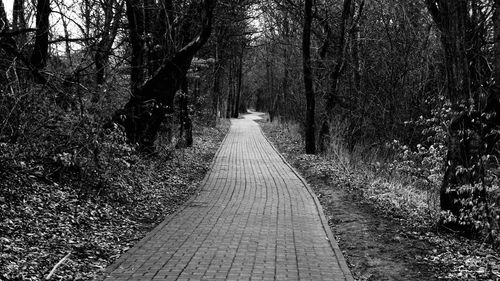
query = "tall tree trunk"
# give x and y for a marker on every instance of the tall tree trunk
(40, 49)
(284, 108)
(216, 86)
(186, 127)
(135, 16)
(216, 96)
(308, 80)
(112, 19)
(356, 57)
(19, 21)
(492, 108)
(468, 132)
(64, 23)
(450, 17)
(239, 82)
(230, 97)
(18, 17)
(495, 95)
(269, 90)
(338, 57)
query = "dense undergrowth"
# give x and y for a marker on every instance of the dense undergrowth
(394, 196)
(411, 201)
(75, 192)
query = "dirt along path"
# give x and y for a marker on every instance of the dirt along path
(376, 247)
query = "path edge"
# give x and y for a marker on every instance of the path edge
(324, 222)
(110, 268)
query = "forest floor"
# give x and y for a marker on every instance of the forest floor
(44, 222)
(377, 239)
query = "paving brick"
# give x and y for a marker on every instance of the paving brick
(254, 219)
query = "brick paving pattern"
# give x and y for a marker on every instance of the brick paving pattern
(254, 219)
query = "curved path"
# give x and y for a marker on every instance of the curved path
(254, 219)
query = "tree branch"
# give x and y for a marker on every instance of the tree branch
(62, 39)
(17, 32)
(199, 40)
(9, 47)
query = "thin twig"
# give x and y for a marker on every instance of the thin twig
(57, 265)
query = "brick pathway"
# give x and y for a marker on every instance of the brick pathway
(254, 219)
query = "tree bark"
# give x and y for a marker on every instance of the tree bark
(494, 98)
(450, 17)
(491, 119)
(230, 94)
(40, 49)
(337, 55)
(186, 127)
(283, 109)
(216, 85)
(112, 20)
(18, 18)
(239, 82)
(308, 80)
(469, 134)
(135, 16)
(270, 88)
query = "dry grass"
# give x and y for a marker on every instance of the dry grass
(361, 171)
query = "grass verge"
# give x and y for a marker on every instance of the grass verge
(385, 227)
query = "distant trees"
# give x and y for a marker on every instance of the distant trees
(229, 46)
(275, 61)
(416, 72)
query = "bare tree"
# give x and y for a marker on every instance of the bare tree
(113, 12)
(40, 49)
(308, 79)
(145, 111)
(334, 51)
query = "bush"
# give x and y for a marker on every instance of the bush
(423, 167)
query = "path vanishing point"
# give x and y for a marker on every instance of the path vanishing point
(255, 218)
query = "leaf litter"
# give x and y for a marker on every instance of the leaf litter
(50, 229)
